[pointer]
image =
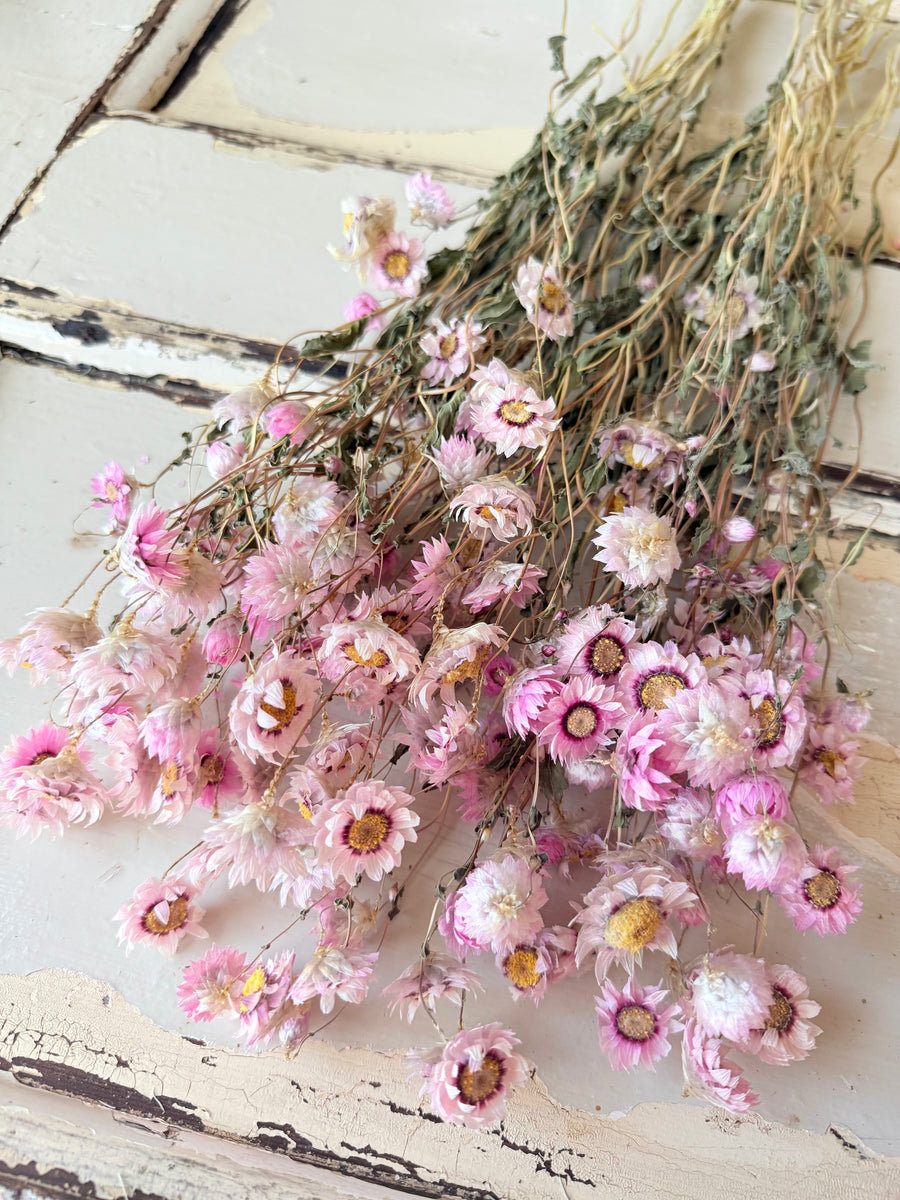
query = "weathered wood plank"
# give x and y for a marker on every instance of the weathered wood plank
(53, 60)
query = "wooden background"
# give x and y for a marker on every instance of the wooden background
(169, 177)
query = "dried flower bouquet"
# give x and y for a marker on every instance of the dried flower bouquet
(528, 545)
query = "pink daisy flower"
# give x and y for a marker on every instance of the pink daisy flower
(645, 449)
(451, 349)
(334, 973)
(517, 581)
(711, 730)
(548, 304)
(730, 995)
(161, 913)
(342, 754)
(498, 906)
(275, 583)
(210, 986)
(634, 1024)
(525, 697)
(750, 796)
(654, 674)
(291, 419)
(765, 852)
(638, 547)
(219, 777)
(690, 827)
(34, 747)
(399, 265)
(830, 764)
(274, 707)
(367, 222)
(434, 977)
(820, 898)
(172, 729)
(709, 1076)
(470, 1080)
(455, 656)
(147, 551)
(788, 1034)
(355, 651)
(130, 662)
(503, 410)
(850, 710)
(310, 505)
(265, 988)
(364, 830)
(644, 764)
(460, 462)
(576, 722)
(257, 843)
(225, 643)
(495, 506)
(223, 457)
(497, 672)
(626, 914)
(50, 794)
(531, 969)
(48, 642)
(115, 492)
(780, 717)
(454, 745)
(435, 573)
(429, 203)
(595, 643)
(362, 306)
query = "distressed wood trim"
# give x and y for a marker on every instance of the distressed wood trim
(110, 343)
(354, 1111)
(139, 40)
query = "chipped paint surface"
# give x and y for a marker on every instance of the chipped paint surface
(356, 1111)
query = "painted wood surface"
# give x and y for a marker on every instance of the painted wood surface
(53, 59)
(164, 257)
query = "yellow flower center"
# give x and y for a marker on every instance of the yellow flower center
(348, 223)
(111, 490)
(178, 910)
(658, 689)
(169, 778)
(378, 659)
(368, 832)
(552, 297)
(520, 968)
(822, 890)
(255, 982)
(581, 720)
(515, 412)
(635, 1022)
(633, 925)
(829, 760)
(396, 265)
(39, 758)
(781, 1013)
(605, 655)
(468, 669)
(480, 1084)
(769, 722)
(284, 715)
(447, 345)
